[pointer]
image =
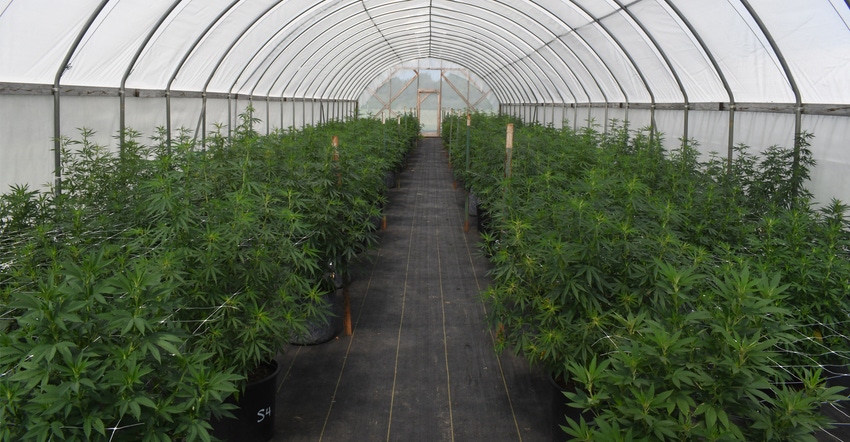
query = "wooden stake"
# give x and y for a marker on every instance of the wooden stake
(346, 321)
(335, 144)
(384, 223)
(509, 148)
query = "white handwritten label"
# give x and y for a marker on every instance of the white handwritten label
(263, 414)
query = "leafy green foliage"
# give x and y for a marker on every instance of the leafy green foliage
(685, 299)
(141, 296)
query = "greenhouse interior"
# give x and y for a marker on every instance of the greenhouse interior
(410, 220)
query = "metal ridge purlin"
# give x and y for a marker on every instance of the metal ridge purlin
(833, 109)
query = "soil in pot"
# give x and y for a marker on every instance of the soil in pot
(255, 417)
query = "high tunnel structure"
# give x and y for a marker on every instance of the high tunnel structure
(271, 207)
(722, 73)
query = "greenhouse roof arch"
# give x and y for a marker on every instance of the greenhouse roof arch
(398, 39)
(634, 50)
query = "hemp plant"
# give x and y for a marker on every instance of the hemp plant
(91, 350)
(685, 299)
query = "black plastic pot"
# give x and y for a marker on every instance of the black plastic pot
(390, 179)
(319, 332)
(483, 219)
(255, 417)
(375, 223)
(837, 414)
(561, 411)
(472, 204)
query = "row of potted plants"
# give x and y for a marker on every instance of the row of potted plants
(148, 289)
(678, 298)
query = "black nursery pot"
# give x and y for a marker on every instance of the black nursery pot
(390, 179)
(561, 411)
(255, 417)
(318, 331)
(472, 204)
(483, 218)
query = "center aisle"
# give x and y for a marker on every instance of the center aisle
(420, 365)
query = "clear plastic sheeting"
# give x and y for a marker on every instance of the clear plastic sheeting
(404, 88)
(115, 64)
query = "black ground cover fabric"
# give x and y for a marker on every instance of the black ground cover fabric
(420, 365)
